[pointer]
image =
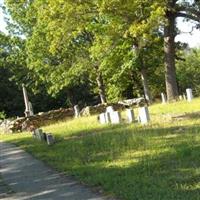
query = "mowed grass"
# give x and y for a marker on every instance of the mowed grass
(130, 162)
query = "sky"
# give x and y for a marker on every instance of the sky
(193, 39)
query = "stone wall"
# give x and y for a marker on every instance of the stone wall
(38, 120)
(46, 118)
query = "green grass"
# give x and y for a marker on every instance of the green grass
(132, 162)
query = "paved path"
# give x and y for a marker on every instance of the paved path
(30, 179)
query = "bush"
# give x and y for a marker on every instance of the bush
(2, 115)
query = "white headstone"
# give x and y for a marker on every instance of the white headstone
(180, 97)
(31, 109)
(184, 97)
(130, 115)
(164, 99)
(50, 139)
(38, 133)
(26, 101)
(115, 117)
(76, 111)
(189, 94)
(144, 115)
(109, 109)
(102, 118)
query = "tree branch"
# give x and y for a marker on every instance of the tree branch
(188, 12)
(188, 16)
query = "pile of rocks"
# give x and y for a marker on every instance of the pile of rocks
(41, 119)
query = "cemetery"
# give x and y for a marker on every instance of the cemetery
(138, 142)
(99, 100)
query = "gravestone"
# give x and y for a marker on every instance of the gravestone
(76, 111)
(115, 117)
(109, 109)
(50, 139)
(102, 118)
(164, 99)
(189, 94)
(144, 117)
(26, 101)
(180, 97)
(184, 97)
(39, 134)
(31, 109)
(130, 115)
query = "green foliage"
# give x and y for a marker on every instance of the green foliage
(68, 44)
(2, 115)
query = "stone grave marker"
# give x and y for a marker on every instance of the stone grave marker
(39, 134)
(180, 97)
(50, 139)
(184, 97)
(31, 109)
(115, 117)
(144, 117)
(102, 118)
(164, 99)
(110, 109)
(189, 94)
(77, 111)
(26, 101)
(130, 115)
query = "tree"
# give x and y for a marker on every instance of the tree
(174, 8)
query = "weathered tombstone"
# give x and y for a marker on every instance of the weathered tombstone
(109, 109)
(184, 97)
(189, 94)
(26, 101)
(164, 99)
(50, 139)
(39, 134)
(180, 97)
(130, 115)
(76, 111)
(144, 117)
(31, 109)
(115, 117)
(102, 118)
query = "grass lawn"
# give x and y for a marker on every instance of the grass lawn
(132, 162)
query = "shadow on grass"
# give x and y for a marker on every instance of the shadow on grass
(140, 163)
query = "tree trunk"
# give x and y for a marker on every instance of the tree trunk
(101, 86)
(147, 93)
(169, 49)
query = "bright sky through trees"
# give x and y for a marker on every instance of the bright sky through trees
(193, 39)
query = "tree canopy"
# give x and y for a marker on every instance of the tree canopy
(87, 52)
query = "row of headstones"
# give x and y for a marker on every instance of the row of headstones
(114, 117)
(45, 137)
(188, 96)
